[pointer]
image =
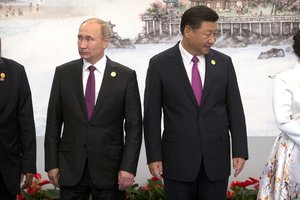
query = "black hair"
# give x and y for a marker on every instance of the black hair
(195, 15)
(296, 45)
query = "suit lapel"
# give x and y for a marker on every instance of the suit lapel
(5, 82)
(107, 83)
(209, 70)
(78, 86)
(5, 71)
(180, 72)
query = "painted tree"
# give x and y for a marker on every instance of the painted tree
(285, 6)
(156, 10)
(165, 11)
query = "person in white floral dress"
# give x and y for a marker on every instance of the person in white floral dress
(281, 177)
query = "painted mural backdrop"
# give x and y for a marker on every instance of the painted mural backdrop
(42, 34)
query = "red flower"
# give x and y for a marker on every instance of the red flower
(44, 182)
(254, 180)
(19, 197)
(228, 194)
(244, 184)
(146, 187)
(153, 189)
(41, 181)
(235, 184)
(154, 178)
(233, 194)
(38, 176)
(158, 186)
(238, 190)
(35, 186)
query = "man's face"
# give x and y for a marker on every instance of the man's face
(199, 41)
(91, 45)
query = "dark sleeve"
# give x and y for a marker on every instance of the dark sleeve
(53, 124)
(133, 126)
(153, 113)
(26, 127)
(237, 122)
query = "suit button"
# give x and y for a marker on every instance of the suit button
(84, 145)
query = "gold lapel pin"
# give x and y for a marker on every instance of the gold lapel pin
(2, 76)
(113, 74)
(213, 62)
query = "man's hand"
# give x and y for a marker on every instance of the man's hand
(28, 180)
(156, 169)
(53, 175)
(238, 165)
(125, 179)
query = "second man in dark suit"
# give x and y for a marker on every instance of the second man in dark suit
(93, 132)
(17, 130)
(195, 87)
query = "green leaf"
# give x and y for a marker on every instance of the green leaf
(26, 196)
(53, 194)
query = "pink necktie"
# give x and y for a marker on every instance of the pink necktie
(90, 92)
(196, 80)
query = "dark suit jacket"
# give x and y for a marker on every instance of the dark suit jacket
(17, 129)
(193, 134)
(71, 138)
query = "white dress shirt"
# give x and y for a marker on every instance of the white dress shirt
(188, 64)
(99, 73)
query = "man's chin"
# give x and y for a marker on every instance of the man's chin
(204, 52)
(83, 56)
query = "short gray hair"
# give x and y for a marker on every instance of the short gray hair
(105, 30)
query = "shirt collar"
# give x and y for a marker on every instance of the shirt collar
(187, 57)
(100, 65)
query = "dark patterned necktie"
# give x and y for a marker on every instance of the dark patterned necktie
(90, 92)
(196, 80)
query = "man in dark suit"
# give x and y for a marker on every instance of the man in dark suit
(17, 130)
(200, 109)
(86, 151)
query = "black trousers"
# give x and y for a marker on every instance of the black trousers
(85, 188)
(200, 189)
(4, 193)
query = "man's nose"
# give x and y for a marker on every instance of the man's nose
(82, 43)
(212, 39)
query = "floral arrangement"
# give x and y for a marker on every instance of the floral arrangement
(36, 192)
(246, 190)
(153, 190)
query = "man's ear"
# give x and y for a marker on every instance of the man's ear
(187, 31)
(106, 42)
